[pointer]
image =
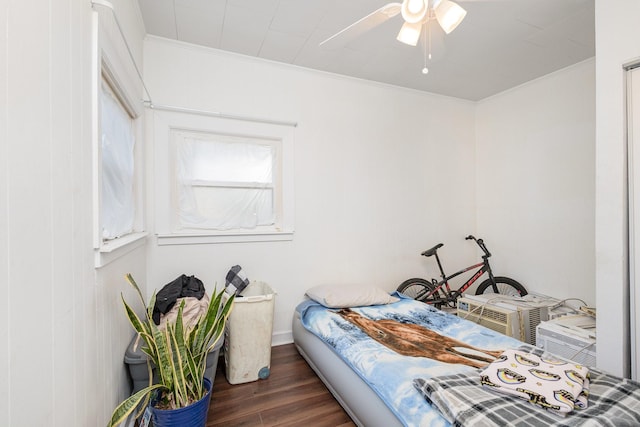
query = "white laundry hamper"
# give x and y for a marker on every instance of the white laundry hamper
(247, 343)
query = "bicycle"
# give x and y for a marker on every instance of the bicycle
(429, 291)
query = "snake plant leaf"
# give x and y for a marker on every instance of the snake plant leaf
(180, 393)
(213, 317)
(191, 365)
(219, 330)
(152, 304)
(135, 321)
(183, 351)
(219, 324)
(209, 317)
(123, 410)
(165, 356)
(133, 283)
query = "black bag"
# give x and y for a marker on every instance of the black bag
(183, 286)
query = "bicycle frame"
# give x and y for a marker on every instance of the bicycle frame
(483, 267)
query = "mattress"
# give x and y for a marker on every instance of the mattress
(388, 364)
(362, 404)
(374, 381)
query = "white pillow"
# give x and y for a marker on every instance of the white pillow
(341, 296)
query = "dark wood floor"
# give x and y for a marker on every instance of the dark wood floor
(292, 396)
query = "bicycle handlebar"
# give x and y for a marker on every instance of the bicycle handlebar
(480, 243)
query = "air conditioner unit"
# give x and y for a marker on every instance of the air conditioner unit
(572, 337)
(512, 316)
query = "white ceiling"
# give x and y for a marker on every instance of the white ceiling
(499, 45)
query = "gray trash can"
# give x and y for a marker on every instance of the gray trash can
(247, 343)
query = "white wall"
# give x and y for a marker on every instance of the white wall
(617, 35)
(381, 174)
(62, 328)
(536, 182)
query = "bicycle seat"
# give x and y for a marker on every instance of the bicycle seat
(432, 251)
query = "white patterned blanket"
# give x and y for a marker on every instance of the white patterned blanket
(463, 401)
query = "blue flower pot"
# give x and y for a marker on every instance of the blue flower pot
(191, 416)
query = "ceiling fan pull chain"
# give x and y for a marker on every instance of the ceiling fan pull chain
(425, 70)
(429, 42)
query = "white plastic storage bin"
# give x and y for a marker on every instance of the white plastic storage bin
(247, 343)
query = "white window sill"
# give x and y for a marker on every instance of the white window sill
(116, 248)
(230, 237)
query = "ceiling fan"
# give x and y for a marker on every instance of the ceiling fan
(416, 14)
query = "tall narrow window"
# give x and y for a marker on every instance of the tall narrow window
(116, 146)
(117, 141)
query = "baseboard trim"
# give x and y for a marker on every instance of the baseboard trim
(281, 338)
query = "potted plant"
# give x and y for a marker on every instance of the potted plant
(179, 355)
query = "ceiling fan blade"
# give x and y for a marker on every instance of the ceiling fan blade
(361, 26)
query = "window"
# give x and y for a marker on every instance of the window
(117, 141)
(221, 180)
(226, 182)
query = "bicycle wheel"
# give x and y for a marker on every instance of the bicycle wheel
(418, 290)
(506, 286)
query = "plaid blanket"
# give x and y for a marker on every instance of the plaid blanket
(460, 398)
(236, 281)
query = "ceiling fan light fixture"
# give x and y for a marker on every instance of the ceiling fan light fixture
(414, 11)
(449, 15)
(410, 33)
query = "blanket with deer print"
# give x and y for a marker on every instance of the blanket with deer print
(390, 345)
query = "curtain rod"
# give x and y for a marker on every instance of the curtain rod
(217, 114)
(149, 103)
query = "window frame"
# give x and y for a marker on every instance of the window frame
(119, 74)
(165, 123)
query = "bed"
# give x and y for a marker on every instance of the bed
(382, 382)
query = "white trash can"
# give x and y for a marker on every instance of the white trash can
(247, 342)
